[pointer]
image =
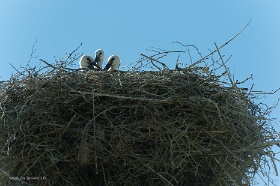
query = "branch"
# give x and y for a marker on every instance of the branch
(152, 59)
(222, 45)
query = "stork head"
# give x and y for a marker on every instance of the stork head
(86, 62)
(113, 63)
(99, 57)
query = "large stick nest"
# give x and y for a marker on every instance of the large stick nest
(184, 127)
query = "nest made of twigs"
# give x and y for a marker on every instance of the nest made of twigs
(129, 128)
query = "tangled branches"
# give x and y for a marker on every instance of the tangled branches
(166, 127)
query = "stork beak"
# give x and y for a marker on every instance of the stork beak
(95, 65)
(97, 58)
(92, 64)
(109, 64)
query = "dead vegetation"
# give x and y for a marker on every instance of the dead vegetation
(184, 127)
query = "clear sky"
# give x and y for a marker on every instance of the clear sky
(127, 28)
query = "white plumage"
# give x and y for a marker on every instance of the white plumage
(113, 63)
(99, 57)
(86, 62)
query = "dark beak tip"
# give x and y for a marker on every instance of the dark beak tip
(108, 66)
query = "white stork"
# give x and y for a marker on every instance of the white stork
(113, 63)
(99, 58)
(88, 63)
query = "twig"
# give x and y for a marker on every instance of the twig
(94, 132)
(261, 92)
(224, 65)
(75, 50)
(152, 59)
(167, 52)
(59, 68)
(48, 63)
(17, 70)
(222, 45)
(32, 52)
(190, 46)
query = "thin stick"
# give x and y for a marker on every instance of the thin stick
(224, 65)
(222, 45)
(152, 59)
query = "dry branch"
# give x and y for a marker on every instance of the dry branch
(131, 128)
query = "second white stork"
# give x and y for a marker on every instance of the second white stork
(99, 58)
(86, 62)
(113, 63)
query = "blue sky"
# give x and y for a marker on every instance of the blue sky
(127, 28)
